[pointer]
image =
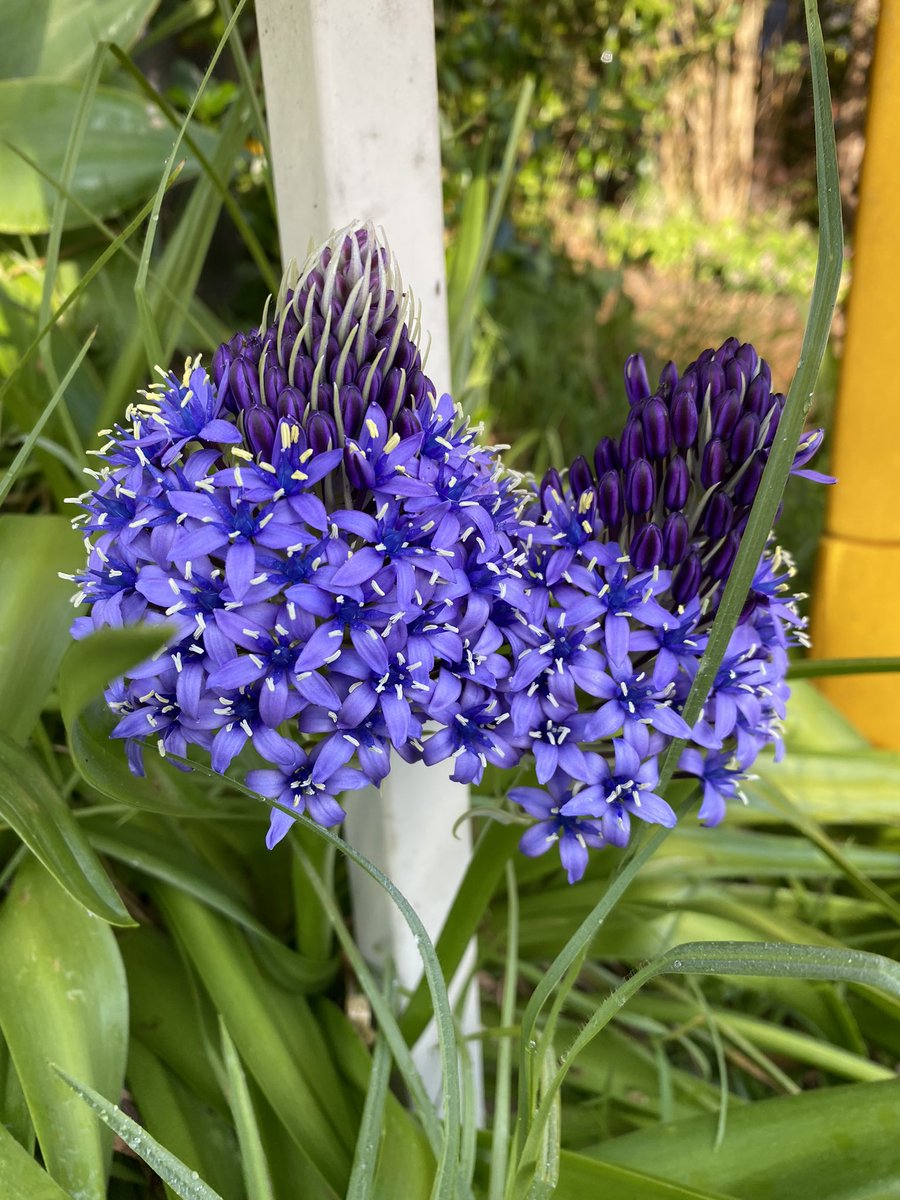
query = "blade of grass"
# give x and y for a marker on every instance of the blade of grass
(95, 268)
(442, 1186)
(175, 300)
(22, 456)
(246, 76)
(254, 1167)
(368, 1142)
(145, 312)
(503, 1084)
(181, 1180)
(818, 668)
(777, 960)
(57, 225)
(241, 224)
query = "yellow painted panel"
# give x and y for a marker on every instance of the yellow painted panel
(856, 614)
(866, 443)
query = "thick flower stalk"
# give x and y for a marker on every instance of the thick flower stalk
(625, 568)
(337, 553)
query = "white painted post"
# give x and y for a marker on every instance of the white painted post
(351, 98)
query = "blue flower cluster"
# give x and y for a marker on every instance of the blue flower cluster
(349, 573)
(337, 552)
(625, 569)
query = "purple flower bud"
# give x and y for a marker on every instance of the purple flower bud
(677, 485)
(640, 487)
(321, 432)
(743, 440)
(580, 477)
(222, 360)
(719, 516)
(353, 469)
(243, 382)
(417, 386)
(715, 463)
(725, 411)
(748, 358)
(274, 381)
(646, 548)
(352, 408)
(552, 482)
(676, 535)
(389, 394)
(657, 434)
(369, 382)
(723, 560)
(259, 430)
(637, 385)
(684, 420)
(632, 443)
(771, 426)
(765, 372)
(758, 399)
(736, 376)
(688, 385)
(291, 403)
(609, 500)
(668, 379)
(712, 377)
(686, 582)
(606, 456)
(302, 374)
(748, 484)
(407, 424)
(727, 350)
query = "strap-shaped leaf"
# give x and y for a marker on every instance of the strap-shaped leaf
(31, 805)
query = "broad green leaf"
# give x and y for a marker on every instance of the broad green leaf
(63, 1000)
(858, 787)
(581, 1177)
(192, 1131)
(830, 1144)
(185, 1182)
(35, 614)
(813, 723)
(32, 806)
(274, 1031)
(90, 665)
(59, 38)
(169, 1012)
(173, 863)
(23, 1178)
(124, 144)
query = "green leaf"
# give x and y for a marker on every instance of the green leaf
(581, 1177)
(31, 805)
(181, 1179)
(36, 430)
(191, 1130)
(274, 1032)
(124, 143)
(23, 1178)
(102, 764)
(90, 665)
(830, 1144)
(59, 38)
(63, 999)
(35, 614)
(255, 1169)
